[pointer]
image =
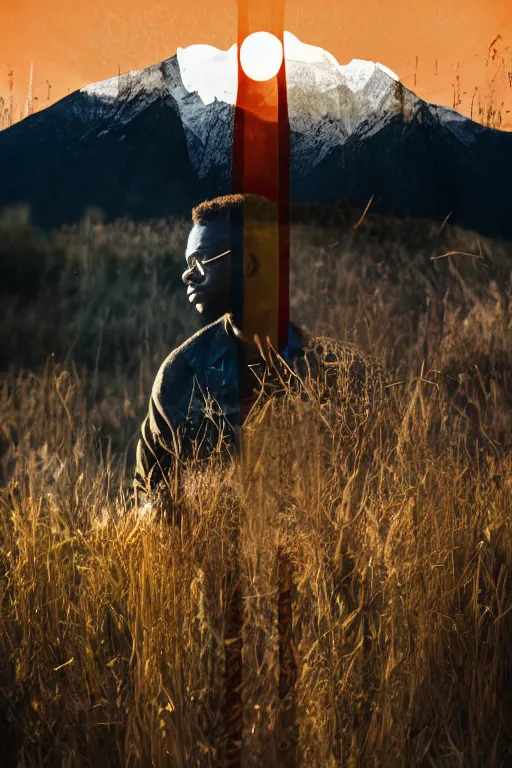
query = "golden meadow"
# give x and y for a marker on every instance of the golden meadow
(397, 521)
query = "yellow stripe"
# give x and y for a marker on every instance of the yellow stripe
(261, 276)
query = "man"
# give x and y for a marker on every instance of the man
(206, 386)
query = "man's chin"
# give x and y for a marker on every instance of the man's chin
(199, 305)
(208, 313)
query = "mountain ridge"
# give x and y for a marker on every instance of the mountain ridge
(365, 137)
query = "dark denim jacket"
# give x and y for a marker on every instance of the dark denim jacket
(196, 401)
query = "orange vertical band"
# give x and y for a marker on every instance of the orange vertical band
(261, 165)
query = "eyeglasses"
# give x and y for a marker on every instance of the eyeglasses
(199, 263)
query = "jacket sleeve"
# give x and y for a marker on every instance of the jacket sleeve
(159, 446)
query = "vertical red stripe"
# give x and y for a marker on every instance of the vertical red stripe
(283, 206)
(261, 149)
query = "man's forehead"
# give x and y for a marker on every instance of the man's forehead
(205, 237)
(222, 232)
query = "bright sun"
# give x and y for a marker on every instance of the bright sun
(261, 56)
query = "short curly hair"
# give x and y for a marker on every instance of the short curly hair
(261, 208)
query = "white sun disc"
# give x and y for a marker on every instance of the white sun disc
(261, 56)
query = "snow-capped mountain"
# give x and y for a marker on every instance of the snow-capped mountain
(327, 101)
(158, 140)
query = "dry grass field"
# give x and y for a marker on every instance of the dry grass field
(396, 518)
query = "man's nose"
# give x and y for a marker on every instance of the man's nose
(192, 275)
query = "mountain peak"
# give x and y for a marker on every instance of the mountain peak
(212, 72)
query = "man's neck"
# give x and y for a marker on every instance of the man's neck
(211, 316)
(252, 349)
(252, 352)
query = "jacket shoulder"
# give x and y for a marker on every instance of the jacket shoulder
(176, 373)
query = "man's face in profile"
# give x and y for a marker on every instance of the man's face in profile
(213, 250)
(208, 273)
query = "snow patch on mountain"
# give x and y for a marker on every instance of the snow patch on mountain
(129, 94)
(210, 72)
(104, 89)
(466, 131)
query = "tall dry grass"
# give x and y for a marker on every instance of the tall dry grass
(398, 526)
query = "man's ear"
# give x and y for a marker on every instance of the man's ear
(251, 264)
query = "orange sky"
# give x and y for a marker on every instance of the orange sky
(74, 42)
